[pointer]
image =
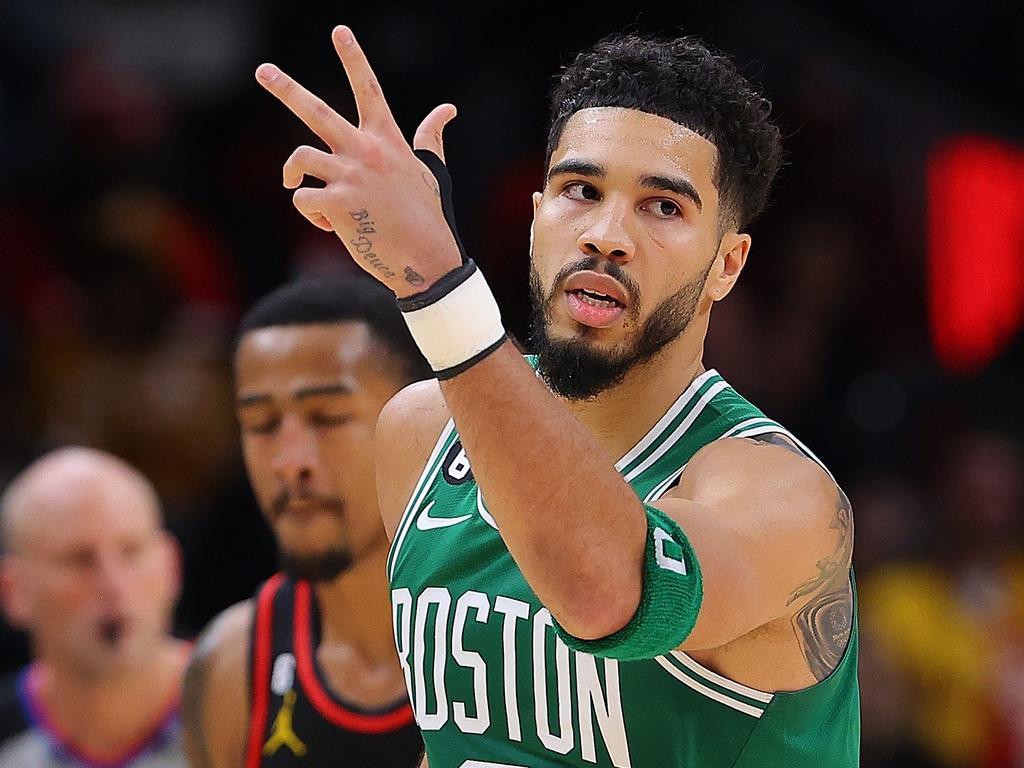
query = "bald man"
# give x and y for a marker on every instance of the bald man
(89, 573)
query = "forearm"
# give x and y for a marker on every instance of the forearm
(575, 528)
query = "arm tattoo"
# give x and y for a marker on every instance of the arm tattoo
(837, 563)
(823, 629)
(823, 625)
(777, 438)
(193, 697)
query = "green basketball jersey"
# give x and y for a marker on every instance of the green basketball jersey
(493, 686)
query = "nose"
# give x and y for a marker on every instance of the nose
(607, 234)
(296, 455)
(114, 576)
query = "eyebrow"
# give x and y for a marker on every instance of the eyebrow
(322, 390)
(674, 184)
(577, 168)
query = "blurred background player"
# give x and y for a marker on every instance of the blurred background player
(91, 576)
(306, 673)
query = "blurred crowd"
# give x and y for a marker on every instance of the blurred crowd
(141, 211)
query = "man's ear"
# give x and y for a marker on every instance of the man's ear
(173, 558)
(732, 257)
(13, 591)
(537, 197)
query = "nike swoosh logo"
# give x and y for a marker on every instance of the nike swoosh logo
(427, 523)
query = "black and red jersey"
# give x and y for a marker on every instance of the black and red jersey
(295, 719)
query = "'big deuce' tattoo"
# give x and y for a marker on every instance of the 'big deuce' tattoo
(363, 245)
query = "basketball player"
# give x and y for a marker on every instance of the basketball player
(89, 573)
(306, 673)
(606, 557)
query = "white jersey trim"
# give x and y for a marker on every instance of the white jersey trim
(679, 431)
(721, 698)
(655, 432)
(744, 690)
(767, 429)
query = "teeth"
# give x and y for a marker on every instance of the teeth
(596, 299)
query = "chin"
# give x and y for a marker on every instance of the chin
(325, 565)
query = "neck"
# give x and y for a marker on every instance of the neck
(620, 416)
(355, 608)
(104, 715)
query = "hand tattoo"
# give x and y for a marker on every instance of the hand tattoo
(363, 245)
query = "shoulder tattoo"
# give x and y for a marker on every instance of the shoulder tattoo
(823, 625)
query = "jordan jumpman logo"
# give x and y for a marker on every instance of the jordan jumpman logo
(283, 735)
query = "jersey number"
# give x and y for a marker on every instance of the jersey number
(456, 467)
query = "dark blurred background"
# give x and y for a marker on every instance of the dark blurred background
(880, 316)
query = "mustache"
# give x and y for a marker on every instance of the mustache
(287, 497)
(599, 265)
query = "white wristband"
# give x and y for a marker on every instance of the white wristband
(456, 322)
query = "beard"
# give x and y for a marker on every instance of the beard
(575, 370)
(318, 568)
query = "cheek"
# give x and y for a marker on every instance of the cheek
(63, 602)
(556, 222)
(347, 454)
(352, 466)
(684, 239)
(258, 456)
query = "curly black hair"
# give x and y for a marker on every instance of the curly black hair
(682, 80)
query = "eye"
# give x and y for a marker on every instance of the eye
(663, 209)
(330, 419)
(261, 426)
(580, 190)
(79, 559)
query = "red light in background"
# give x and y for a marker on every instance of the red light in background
(976, 249)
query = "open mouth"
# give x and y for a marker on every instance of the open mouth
(596, 299)
(111, 631)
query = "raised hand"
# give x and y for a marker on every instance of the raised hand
(379, 198)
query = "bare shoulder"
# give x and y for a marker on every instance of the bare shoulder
(215, 706)
(407, 430)
(226, 637)
(774, 488)
(789, 512)
(773, 469)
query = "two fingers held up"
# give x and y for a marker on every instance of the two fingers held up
(378, 197)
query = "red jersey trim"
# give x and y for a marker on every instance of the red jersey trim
(334, 712)
(261, 668)
(40, 718)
